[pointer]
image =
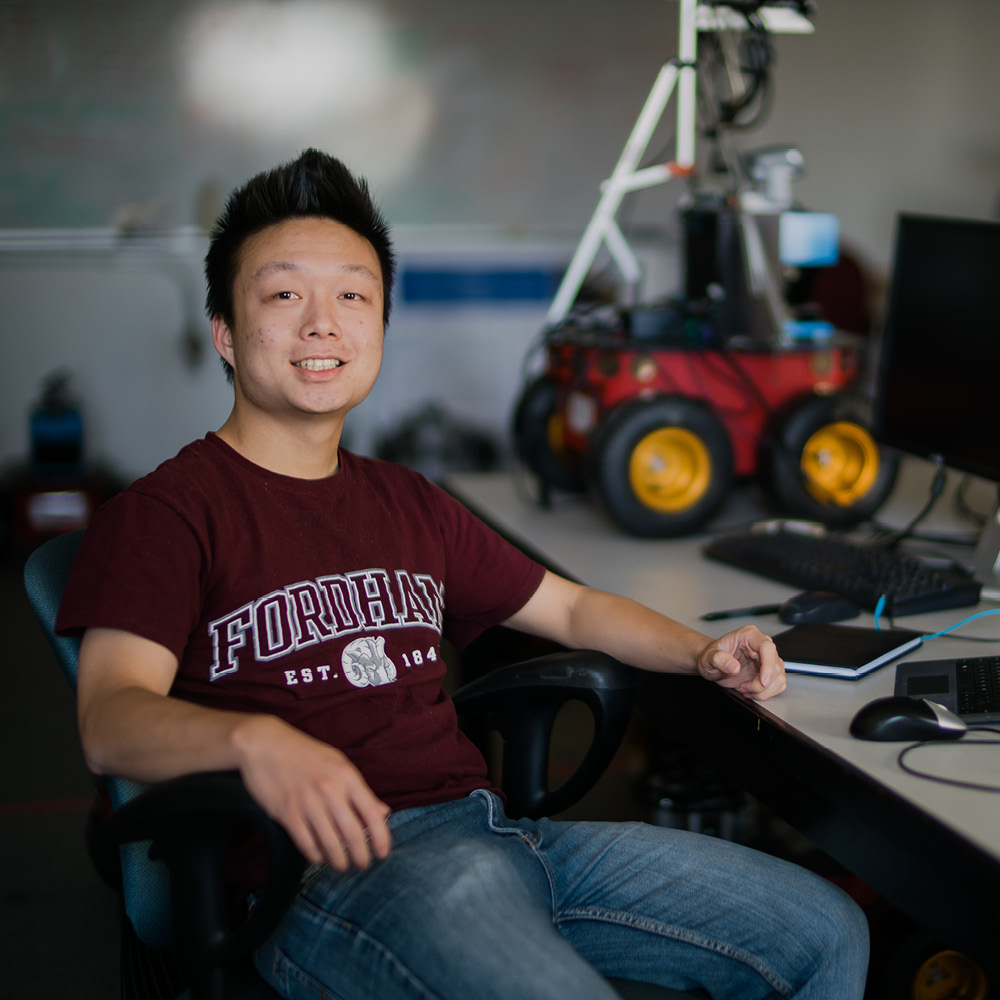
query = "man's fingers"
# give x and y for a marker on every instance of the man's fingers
(723, 662)
(351, 831)
(334, 846)
(368, 835)
(318, 834)
(353, 838)
(321, 799)
(303, 836)
(377, 830)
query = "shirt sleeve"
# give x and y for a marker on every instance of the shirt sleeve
(489, 578)
(139, 569)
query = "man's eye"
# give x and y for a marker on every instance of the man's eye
(285, 295)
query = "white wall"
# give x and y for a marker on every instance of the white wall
(113, 318)
(893, 104)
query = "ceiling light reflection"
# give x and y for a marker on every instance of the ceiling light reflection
(308, 72)
(269, 66)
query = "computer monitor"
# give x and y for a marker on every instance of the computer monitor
(939, 366)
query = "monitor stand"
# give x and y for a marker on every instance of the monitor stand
(986, 562)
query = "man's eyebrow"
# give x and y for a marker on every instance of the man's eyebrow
(272, 267)
(279, 266)
(363, 269)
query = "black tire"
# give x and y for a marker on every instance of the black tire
(661, 467)
(537, 431)
(823, 462)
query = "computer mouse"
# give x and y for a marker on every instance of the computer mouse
(901, 718)
(817, 606)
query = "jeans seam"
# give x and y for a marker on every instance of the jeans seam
(683, 934)
(531, 840)
(285, 969)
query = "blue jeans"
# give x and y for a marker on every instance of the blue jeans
(471, 905)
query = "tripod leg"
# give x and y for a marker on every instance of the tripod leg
(614, 190)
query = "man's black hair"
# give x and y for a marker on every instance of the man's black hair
(316, 185)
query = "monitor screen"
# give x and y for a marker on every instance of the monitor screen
(939, 368)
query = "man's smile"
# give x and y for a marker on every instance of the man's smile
(317, 364)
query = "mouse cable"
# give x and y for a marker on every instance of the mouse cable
(936, 488)
(954, 782)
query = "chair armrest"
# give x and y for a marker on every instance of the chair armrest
(521, 702)
(189, 822)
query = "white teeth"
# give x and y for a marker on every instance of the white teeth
(317, 364)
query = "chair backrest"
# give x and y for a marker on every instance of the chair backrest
(45, 575)
(145, 883)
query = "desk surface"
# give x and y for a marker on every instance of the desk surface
(673, 577)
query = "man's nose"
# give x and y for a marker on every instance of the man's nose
(322, 320)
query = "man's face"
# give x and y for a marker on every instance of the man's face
(307, 320)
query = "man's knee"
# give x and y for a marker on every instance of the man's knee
(848, 924)
(832, 936)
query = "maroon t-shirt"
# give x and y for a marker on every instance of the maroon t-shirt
(320, 601)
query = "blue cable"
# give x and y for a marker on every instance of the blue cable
(964, 621)
(880, 606)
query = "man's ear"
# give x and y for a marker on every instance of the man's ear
(222, 338)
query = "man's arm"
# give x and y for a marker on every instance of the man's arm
(583, 618)
(130, 726)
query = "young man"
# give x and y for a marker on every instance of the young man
(268, 602)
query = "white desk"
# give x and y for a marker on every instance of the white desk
(848, 795)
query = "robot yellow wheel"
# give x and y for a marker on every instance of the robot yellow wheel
(823, 462)
(840, 463)
(670, 470)
(949, 975)
(661, 466)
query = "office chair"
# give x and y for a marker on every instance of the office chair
(171, 838)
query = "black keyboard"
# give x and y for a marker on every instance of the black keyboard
(816, 560)
(978, 685)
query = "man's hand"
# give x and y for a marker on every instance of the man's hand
(746, 660)
(315, 792)
(131, 726)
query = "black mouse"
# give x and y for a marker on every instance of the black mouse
(900, 718)
(816, 607)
